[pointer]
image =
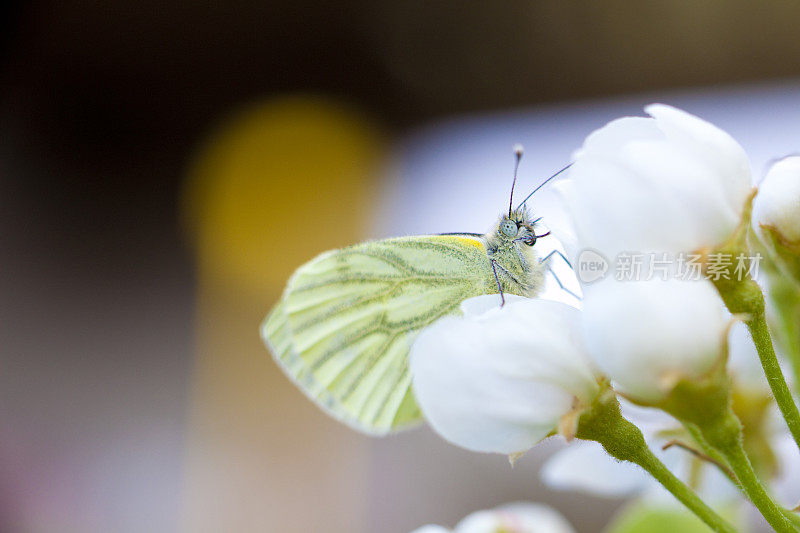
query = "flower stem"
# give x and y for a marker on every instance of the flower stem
(756, 492)
(712, 452)
(744, 297)
(777, 383)
(704, 408)
(726, 436)
(622, 440)
(784, 294)
(653, 466)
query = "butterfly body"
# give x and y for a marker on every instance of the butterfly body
(510, 247)
(344, 326)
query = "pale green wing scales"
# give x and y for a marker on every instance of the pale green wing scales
(344, 326)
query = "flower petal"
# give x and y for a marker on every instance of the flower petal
(615, 210)
(644, 335)
(688, 192)
(431, 528)
(674, 183)
(585, 466)
(515, 518)
(777, 203)
(501, 380)
(716, 148)
(609, 140)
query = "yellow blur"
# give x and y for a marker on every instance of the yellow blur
(278, 183)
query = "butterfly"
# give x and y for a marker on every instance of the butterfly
(343, 329)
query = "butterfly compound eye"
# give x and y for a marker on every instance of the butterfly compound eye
(509, 228)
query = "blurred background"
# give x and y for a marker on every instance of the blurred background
(165, 166)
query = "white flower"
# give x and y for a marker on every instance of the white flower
(671, 183)
(584, 465)
(499, 379)
(777, 204)
(776, 215)
(511, 518)
(645, 336)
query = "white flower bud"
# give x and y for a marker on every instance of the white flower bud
(499, 379)
(777, 204)
(646, 336)
(670, 183)
(511, 518)
(776, 214)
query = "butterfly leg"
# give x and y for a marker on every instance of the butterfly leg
(552, 272)
(563, 288)
(499, 286)
(557, 252)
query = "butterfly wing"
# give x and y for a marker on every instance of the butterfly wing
(344, 326)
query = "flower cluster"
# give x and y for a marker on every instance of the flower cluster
(502, 378)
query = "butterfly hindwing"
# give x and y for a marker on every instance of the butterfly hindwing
(345, 324)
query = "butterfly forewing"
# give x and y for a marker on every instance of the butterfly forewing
(344, 326)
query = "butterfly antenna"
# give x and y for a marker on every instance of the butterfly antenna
(518, 154)
(545, 182)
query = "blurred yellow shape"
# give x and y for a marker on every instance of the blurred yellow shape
(277, 184)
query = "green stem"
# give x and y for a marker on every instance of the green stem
(744, 297)
(653, 466)
(622, 440)
(712, 452)
(793, 350)
(756, 492)
(726, 436)
(704, 408)
(757, 325)
(784, 294)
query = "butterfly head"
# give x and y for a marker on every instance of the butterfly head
(518, 228)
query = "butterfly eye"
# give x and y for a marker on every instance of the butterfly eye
(509, 228)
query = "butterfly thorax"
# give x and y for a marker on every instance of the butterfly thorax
(510, 248)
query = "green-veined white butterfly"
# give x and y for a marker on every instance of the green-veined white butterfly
(346, 321)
